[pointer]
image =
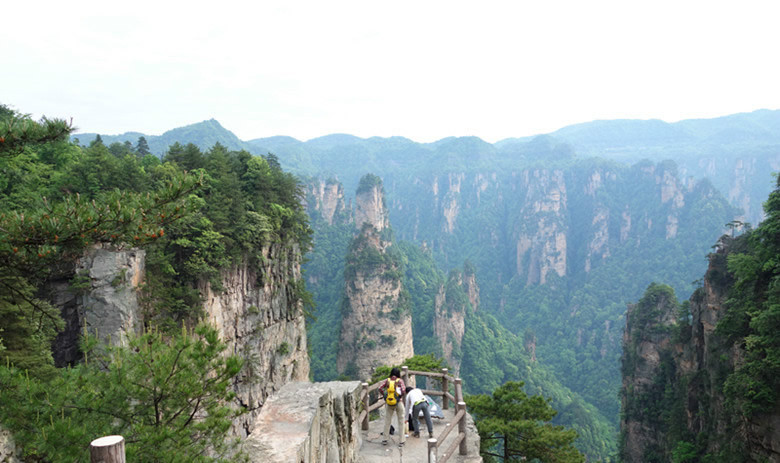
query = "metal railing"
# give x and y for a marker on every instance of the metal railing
(457, 398)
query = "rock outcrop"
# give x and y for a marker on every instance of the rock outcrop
(376, 325)
(370, 205)
(673, 373)
(7, 447)
(261, 319)
(645, 341)
(308, 423)
(258, 314)
(540, 237)
(450, 312)
(102, 298)
(326, 198)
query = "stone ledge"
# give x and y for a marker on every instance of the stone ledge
(307, 422)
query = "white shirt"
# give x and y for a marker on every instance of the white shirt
(412, 397)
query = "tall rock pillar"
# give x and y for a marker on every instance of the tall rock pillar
(376, 326)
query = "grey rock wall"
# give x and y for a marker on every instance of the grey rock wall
(377, 325)
(110, 308)
(7, 447)
(101, 297)
(257, 313)
(260, 319)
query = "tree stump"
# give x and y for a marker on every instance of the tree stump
(109, 449)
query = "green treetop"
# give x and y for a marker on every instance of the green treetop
(517, 425)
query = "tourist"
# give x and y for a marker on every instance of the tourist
(416, 402)
(393, 390)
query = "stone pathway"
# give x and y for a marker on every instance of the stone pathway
(415, 450)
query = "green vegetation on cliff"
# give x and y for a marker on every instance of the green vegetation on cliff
(655, 320)
(196, 214)
(169, 397)
(718, 411)
(753, 314)
(490, 354)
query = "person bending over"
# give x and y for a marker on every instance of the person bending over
(415, 403)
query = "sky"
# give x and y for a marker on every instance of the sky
(423, 69)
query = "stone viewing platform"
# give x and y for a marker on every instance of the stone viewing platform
(337, 422)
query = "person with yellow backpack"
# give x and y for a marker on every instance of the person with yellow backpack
(393, 390)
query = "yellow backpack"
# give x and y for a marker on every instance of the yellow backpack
(392, 396)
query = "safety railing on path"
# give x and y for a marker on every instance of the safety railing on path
(457, 398)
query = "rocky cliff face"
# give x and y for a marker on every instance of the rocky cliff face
(258, 315)
(102, 298)
(537, 223)
(540, 233)
(370, 208)
(680, 366)
(7, 447)
(376, 326)
(645, 342)
(326, 199)
(261, 319)
(745, 179)
(450, 312)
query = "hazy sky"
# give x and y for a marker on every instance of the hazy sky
(422, 69)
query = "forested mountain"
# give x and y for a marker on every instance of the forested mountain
(169, 293)
(701, 377)
(556, 254)
(204, 135)
(560, 231)
(734, 152)
(448, 320)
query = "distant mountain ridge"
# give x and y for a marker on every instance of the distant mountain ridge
(737, 152)
(631, 137)
(203, 134)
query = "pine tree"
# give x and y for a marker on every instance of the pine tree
(519, 427)
(142, 148)
(168, 396)
(41, 236)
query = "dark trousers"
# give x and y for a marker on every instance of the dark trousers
(416, 415)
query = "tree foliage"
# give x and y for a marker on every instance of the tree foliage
(196, 214)
(753, 313)
(168, 397)
(44, 229)
(516, 427)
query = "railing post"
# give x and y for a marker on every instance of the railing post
(445, 404)
(458, 390)
(462, 427)
(405, 375)
(109, 449)
(366, 404)
(432, 450)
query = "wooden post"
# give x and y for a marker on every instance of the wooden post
(366, 404)
(462, 428)
(458, 390)
(432, 450)
(445, 403)
(405, 375)
(109, 449)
